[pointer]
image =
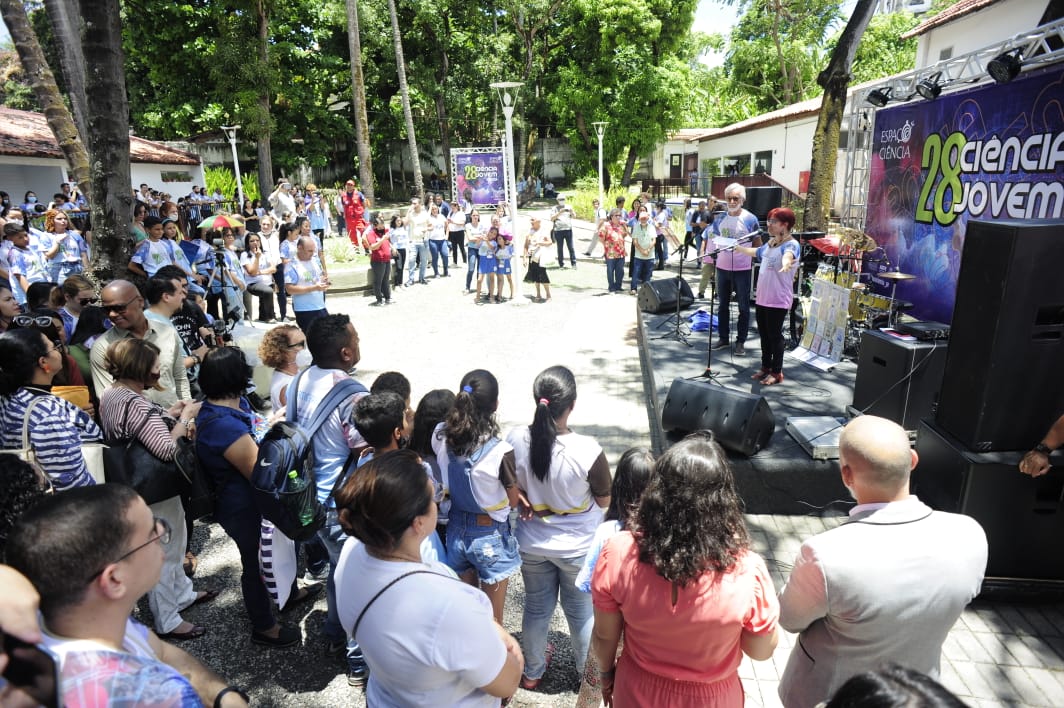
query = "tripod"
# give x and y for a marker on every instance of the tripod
(708, 373)
(221, 273)
(681, 331)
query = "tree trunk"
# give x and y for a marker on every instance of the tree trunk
(66, 24)
(442, 72)
(404, 92)
(834, 80)
(261, 132)
(358, 101)
(108, 138)
(629, 167)
(42, 80)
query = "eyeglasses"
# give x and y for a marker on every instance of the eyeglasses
(119, 309)
(296, 345)
(56, 347)
(86, 301)
(162, 537)
(30, 320)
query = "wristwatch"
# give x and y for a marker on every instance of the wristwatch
(230, 689)
(196, 358)
(1043, 448)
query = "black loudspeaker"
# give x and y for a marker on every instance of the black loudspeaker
(1023, 517)
(761, 200)
(1003, 386)
(898, 380)
(660, 295)
(741, 422)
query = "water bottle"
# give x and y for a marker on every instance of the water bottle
(296, 485)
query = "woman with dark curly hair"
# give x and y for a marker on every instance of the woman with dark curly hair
(683, 584)
(21, 486)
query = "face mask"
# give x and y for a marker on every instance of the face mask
(31, 200)
(304, 358)
(6, 202)
(15, 221)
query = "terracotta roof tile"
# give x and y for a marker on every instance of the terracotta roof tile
(953, 12)
(27, 134)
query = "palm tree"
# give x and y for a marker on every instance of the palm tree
(358, 98)
(404, 92)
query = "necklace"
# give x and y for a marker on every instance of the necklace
(395, 557)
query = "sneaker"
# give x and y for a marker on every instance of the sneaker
(740, 349)
(357, 676)
(701, 296)
(389, 301)
(336, 648)
(721, 344)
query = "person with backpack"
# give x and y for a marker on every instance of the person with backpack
(481, 546)
(333, 342)
(227, 448)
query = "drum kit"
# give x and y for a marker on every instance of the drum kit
(848, 260)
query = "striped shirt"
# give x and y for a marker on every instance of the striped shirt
(57, 429)
(122, 413)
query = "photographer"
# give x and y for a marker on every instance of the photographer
(227, 282)
(281, 200)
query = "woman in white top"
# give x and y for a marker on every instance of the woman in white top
(456, 224)
(565, 478)
(259, 268)
(438, 240)
(474, 234)
(429, 639)
(283, 349)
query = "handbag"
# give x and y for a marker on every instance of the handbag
(128, 462)
(92, 452)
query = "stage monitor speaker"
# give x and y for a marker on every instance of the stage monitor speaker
(657, 296)
(1023, 517)
(741, 422)
(898, 380)
(761, 200)
(1002, 387)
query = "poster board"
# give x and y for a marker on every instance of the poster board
(478, 175)
(825, 327)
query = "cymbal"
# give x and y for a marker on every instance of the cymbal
(894, 275)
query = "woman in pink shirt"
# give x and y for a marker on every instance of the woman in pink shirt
(685, 588)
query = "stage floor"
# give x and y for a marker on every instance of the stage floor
(782, 478)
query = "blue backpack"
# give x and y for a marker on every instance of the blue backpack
(292, 504)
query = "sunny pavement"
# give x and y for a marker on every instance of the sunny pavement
(998, 653)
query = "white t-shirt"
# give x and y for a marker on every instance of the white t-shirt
(278, 382)
(565, 491)
(336, 436)
(429, 639)
(265, 261)
(487, 489)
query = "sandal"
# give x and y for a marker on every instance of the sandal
(202, 598)
(772, 379)
(306, 594)
(196, 632)
(532, 684)
(761, 373)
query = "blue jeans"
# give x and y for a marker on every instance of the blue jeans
(642, 271)
(333, 537)
(416, 253)
(563, 237)
(437, 248)
(304, 318)
(614, 274)
(490, 550)
(739, 281)
(544, 579)
(472, 257)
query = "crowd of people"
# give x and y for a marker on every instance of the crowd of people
(431, 508)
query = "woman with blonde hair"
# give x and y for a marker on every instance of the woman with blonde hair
(63, 247)
(283, 349)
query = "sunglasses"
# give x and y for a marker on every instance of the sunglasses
(119, 309)
(31, 320)
(296, 345)
(163, 535)
(86, 301)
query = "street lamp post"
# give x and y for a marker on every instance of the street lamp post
(507, 91)
(600, 129)
(230, 132)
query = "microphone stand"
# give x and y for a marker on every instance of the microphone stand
(708, 373)
(681, 331)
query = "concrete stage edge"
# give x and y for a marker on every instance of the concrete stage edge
(781, 478)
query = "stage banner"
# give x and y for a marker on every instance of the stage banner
(825, 326)
(479, 175)
(993, 152)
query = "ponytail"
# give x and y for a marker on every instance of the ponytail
(555, 392)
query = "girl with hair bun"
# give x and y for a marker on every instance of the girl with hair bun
(565, 478)
(479, 473)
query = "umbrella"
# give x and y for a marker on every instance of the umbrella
(220, 221)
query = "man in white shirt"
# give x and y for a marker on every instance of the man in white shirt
(562, 216)
(92, 553)
(887, 585)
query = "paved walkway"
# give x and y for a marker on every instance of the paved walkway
(998, 654)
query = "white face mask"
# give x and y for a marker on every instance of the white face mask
(304, 358)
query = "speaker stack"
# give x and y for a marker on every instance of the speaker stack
(898, 380)
(1001, 390)
(656, 296)
(741, 422)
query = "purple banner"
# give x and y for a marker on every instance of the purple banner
(479, 177)
(988, 153)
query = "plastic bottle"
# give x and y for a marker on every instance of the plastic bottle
(295, 485)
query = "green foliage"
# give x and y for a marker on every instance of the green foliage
(251, 186)
(882, 52)
(220, 178)
(339, 250)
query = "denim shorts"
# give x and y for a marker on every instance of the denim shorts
(491, 550)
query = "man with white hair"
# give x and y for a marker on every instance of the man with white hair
(733, 269)
(887, 585)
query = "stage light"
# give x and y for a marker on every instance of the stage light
(930, 87)
(1005, 66)
(880, 97)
